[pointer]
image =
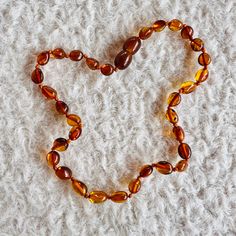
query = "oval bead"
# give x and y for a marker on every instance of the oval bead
(63, 172)
(197, 44)
(76, 55)
(164, 167)
(187, 32)
(122, 60)
(179, 133)
(204, 59)
(73, 120)
(201, 75)
(75, 132)
(174, 99)
(146, 171)
(49, 92)
(58, 53)
(97, 197)
(53, 158)
(184, 151)
(37, 76)
(60, 144)
(181, 166)
(79, 187)
(92, 63)
(62, 107)
(159, 25)
(119, 197)
(172, 116)
(145, 33)
(43, 58)
(134, 185)
(175, 25)
(107, 69)
(187, 87)
(132, 45)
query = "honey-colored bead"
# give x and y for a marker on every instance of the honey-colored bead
(107, 69)
(119, 197)
(201, 75)
(53, 158)
(164, 167)
(73, 120)
(58, 53)
(49, 92)
(76, 55)
(134, 185)
(43, 58)
(79, 187)
(63, 172)
(132, 45)
(92, 63)
(62, 107)
(145, 33)
(97, 197)
(60, 144)
(175, 25)
(37, 76)
(181, 166)
(146, 171)
(197, 44)
(204, 59)
(174, 99)
(187, 87)
(172, 116)
(184, 151)
(159, 25)
(187, 32)
(122, 60)
(75, 132)
(179, 133)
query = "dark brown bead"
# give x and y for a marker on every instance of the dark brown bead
(181, 166)
(53, 158)
(164, 167)
(37, 76)
(119, 197)
(107, 69)
(60, 144)
(172, 116)
(49, 92)
(62, 107)
(76, 55)
(92, 63)
(159, 25)
(175, 25)
(58, 53)
(145, 33)
(204, 59)
(63, 172)
(122, 60)
(179, 133)
(197, 44)
(174, 99)
(43, 58)
(134, 185)
(132, 45)
(187, 32)
(75, 132)
(79, 187)
(184, 151)
(146, 171)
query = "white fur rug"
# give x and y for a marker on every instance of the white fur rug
(123, 116)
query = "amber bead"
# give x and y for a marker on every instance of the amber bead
(134, 185)
(159, 25)
(201, 75)
(43, 58)
(37, 76)
(145, 33)
(184, 151)
(75, 132)
(73, 120)
(164, 167)
(49, 92)
(92, 63)
(175, 25)
(119, 197)
(197, 44)
(174, 99)
(97, 197)
(132, 45)
(62, 107)
(179, 133)
(187, 87)
(187, 32)
(76, 55)
(181, 166)
(204, 59)
(58, 53)
(53, 158)
(172, 116)
(122, 60)
(60, 144)
(107, 69)
(146, 171)
(79, 187)
(63, 172)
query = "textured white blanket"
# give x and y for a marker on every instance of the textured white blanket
(123, 116)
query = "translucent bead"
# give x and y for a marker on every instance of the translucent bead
(49, 92)
(53, 158)
(187, 87)
(201, 75)
(159, 25)
(75, 132)
(172, 116)
(175, 25)
(181, 166)
(60, 144)
(204, 59)
(58, 53)
(134, 185)
(132, 45)
(174, 99)
(187, 32)
(63, 172)
(145, 33)
(179, 133)
(62, 107)
(122, 60)
(73, 120)
(107, 69)
(184, 151)
(97, 197)
(43, 58)
(145, 171)
(76, 55)
(197, 44)
(37, 76)
(92, 63)
(164, 167)
(79, 187)
(119, 197)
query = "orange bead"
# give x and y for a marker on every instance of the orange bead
(197, 44)
(97, 197)
(79, 187)
(62, 107)
(49, 92)
(181, 166)
(204, 59)
(119, 197)
(159, 25)
(164, 167)
(60, 144)
(73, 120)
(76, 55)
(53, 158)
(184, 151)
(63, 172)
(179, 133)
(145, 171)
(145, 33)
(175, 25)
(43, 58)
(37, 76)
(122, 60)
(58, 53)
(132, 45)
(201, 75)
(134, 185)
(107, 69)
(172, 116)
(187, 32)
(75, 132)
(174, 99)
(187, 87)
(92, 63)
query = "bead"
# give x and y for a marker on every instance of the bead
(187, 87)
(159, 25)
(49, 92)
(43, 58)
(63, 172)
(145, 33)
(134, 185)
(62, 107)
(92, 63)
(37, 76)
(107, 69)
(204, 59)
(172, 116)
(122, 60)
(184, 151)
(197, 44)
(201, 75)
(174, 99)
(75, 132)
(179, 133)
(164, 167)
(132, 45)
(76, 55)
(73, 120)
(97, 197)
(53, 158)
(119, 197)
(60, 144)
(181, 166)
(58, 53)
(187, 32)
(175, 25)
(79, 187)
(145, 171)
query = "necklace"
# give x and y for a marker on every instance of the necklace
(122, 61)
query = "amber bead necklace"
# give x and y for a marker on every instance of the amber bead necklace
(122, 61)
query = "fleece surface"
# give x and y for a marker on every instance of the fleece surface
(123, 117)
